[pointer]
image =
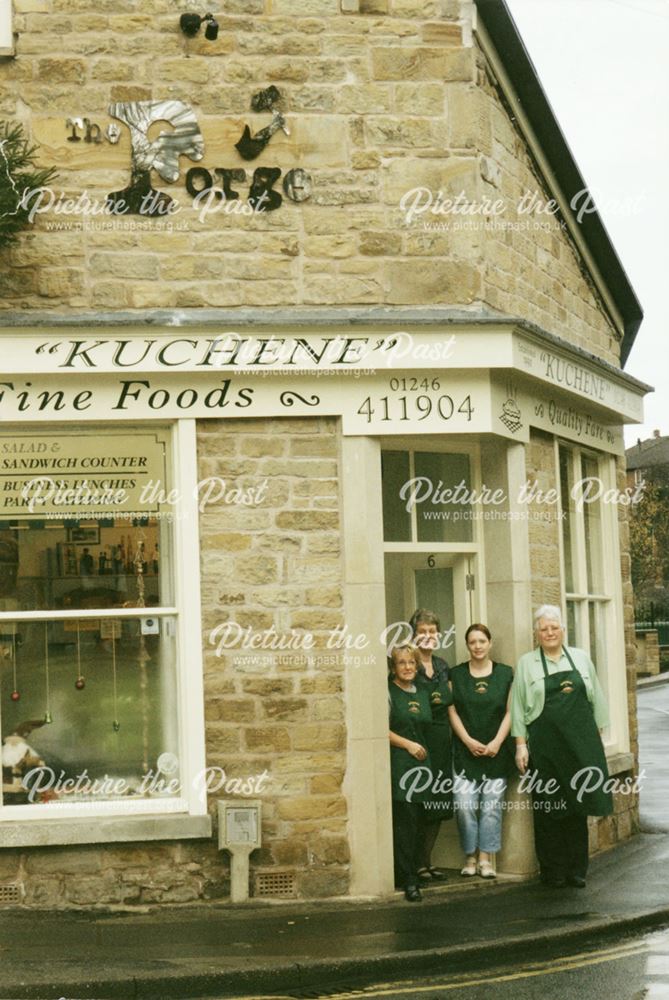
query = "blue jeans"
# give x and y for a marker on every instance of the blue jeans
(478, 809)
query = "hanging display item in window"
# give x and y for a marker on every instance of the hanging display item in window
(143, 655)
(140, 570)
(11, 652)
(47, 686)
(116, 725)
(80, 682)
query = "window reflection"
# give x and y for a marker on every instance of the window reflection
(58, 565)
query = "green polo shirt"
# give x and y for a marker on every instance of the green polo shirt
(527, 693)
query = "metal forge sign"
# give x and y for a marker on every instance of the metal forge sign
(162, 155)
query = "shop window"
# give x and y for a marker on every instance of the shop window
(426, 497)
(90, 647)
(588, 595)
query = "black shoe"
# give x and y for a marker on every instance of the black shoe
(553, 882)
(413, 894)
(577, 881)
(437, 874)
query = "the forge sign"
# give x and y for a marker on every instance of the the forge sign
(185, 139)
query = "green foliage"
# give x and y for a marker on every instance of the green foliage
(18, 173)
(649, 538)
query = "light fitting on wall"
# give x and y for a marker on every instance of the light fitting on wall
(190, 24)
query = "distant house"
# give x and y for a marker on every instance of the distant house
(652, 453)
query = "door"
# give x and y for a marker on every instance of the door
(444, 583)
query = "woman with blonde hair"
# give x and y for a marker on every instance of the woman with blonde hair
(410, 719)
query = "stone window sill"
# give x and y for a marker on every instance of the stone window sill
(618, 763)
(108, 830)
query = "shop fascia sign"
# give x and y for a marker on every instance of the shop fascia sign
(384, 403)
(392, 403)
(209, 188)
(335, 350)
(519, 403)
(565, 373)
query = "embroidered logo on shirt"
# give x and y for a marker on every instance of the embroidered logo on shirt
(481, 687)
(435, 698)
(414, 706)
(566, 687)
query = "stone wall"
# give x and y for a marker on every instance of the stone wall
(647, 653)
(114, 875)
(379, 102)
(278, 566)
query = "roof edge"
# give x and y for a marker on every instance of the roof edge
(505, 36)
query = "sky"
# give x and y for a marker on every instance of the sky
(604, 67)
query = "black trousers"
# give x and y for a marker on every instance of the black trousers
(561, 842)
(406, 846)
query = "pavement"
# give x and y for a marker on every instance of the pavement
(317, 948)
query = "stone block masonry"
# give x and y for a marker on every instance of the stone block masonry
(382, 97)
(278, 572)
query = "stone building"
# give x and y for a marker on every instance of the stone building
(239, 322)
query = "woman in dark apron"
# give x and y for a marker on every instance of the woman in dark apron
(410, 718)
(557, 711)
(433, 676)
(482, 750)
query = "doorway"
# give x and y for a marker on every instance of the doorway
(444, 583)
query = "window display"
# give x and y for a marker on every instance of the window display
(88, 678)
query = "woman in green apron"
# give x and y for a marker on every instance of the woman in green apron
(410, 717)
(557, 711)
(433, 677)
(482, 750)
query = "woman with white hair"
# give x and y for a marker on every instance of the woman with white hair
(557, 712)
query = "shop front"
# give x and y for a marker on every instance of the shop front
(211, 540)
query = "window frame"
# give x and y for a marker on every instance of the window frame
(6, 28)
(474, 550)
(612, 672)
(186, 614)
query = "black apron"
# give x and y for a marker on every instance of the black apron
(410, 717)
(438, 803)
(564, 739)
(481, 704)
